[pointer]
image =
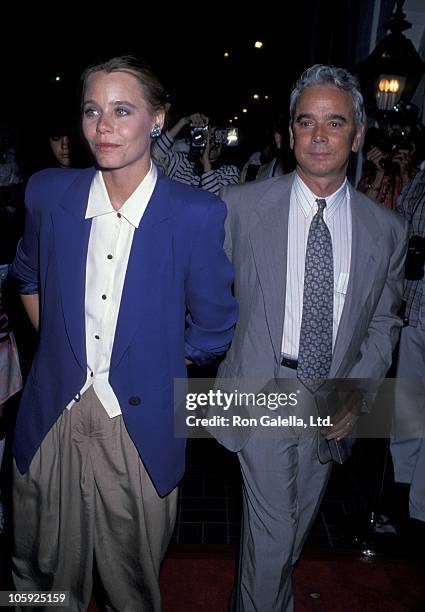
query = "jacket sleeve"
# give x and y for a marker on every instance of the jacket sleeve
(384, 328)
(25, 264)
(212, 309)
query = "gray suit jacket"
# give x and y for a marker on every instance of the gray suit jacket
(256, 244)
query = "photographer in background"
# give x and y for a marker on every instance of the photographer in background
(408, 443)
(389, 163)
(200, 166)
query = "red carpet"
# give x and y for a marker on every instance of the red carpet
(195, 582)
(201, 582)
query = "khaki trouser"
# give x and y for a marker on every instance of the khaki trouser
(86, 497)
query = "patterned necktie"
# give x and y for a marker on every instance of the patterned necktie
(315, 349)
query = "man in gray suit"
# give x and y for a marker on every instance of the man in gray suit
(268, 227)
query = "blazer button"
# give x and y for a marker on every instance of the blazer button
(134, 401)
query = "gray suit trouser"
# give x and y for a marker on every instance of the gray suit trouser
(283, 484)
(408, 443)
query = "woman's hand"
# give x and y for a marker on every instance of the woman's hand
(205, 157)
(197, 120)
(374, 155)
(403, 159)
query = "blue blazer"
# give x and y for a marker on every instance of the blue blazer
(176, 302)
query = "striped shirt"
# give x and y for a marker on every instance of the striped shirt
(412, 206)
(177, 166)
(337, 216)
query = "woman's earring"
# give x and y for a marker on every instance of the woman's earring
(156, 131)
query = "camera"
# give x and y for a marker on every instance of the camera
(415, 260)
(389, 145)
(199, 136)
(227, 137)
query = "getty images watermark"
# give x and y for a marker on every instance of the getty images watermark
(205, 407)
(226, 401)
(284, 407)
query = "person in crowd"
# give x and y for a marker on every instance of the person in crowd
(390, 163)
(275, 161)
(318, 279)
(408, 444)
(65, 146)
(12, 189)
(201, 165)
(58, 142)
(10, 374)
(11, 207)
(124, 274)
(60, 145)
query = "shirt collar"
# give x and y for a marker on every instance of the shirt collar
(306, 199)
(132, 209)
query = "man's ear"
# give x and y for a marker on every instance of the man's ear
(291, 137)
(357, 139)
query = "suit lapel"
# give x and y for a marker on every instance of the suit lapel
(145, 284)
(364, 257)
(71, 235)
(270, 254)
(151, 243)
(272, 215)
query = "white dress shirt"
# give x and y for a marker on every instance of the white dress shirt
(337, 216)
(110, 241)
